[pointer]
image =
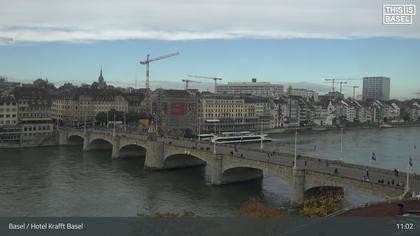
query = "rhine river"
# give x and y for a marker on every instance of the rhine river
(64, 181)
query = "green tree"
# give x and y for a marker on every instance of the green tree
(132, 117)
(405, 115)
(94, 85)
(40, 83)
(101, 117)
(119, 115)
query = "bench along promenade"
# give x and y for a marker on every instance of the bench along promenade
(227, 164)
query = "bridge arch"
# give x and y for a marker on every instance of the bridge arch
(132, 150)
(241, 174)
(75, 139)
(348, 186)
(99, 144)
(181, 160)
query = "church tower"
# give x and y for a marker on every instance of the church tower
(101, 81)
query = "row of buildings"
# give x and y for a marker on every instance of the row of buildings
(374, 88)
(179, 110)
(28, 112)
(25, 116)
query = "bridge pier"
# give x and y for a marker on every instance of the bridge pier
(154, 155)
(62, 137)
(298, 190)
(115, 147)
(86, 142)
(214, 174)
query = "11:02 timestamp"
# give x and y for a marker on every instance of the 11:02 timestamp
(405, 226)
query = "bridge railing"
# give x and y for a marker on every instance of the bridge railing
(275, 153)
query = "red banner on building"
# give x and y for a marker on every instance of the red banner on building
(178, 108)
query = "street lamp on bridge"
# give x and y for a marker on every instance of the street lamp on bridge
(341, 144)
(295, 157)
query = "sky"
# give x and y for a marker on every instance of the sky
(288, 41)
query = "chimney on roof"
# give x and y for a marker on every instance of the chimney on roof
(254, 80)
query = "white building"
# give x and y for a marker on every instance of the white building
(390, 112)
(415, 112)
(262, 89)
(305, 93)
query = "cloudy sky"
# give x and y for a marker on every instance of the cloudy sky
(273, 40)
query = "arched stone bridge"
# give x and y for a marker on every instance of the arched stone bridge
(225, 165)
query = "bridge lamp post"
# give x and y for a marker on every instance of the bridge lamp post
(214, 147)
(84, 126)
(341, 145)
(199, 129)
(409, 164)
(261, 143)
(107, 119)
(113, 127)
(295, 157)
(125, 122)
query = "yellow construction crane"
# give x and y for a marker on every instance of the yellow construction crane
(207, 77)
(187, 81)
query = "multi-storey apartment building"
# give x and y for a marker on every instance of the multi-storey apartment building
(390, 111)
(9, 131)
(34, 112)
(8, 111)
(376, 88)
(135, 99)
(83, 104)
(304, 93)
(415, 111)
(234, 113)
(175, 111)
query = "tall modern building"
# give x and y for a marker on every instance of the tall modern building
(376, 88)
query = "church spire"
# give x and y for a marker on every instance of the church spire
(101, 78)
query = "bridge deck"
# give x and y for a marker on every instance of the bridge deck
(334, 168)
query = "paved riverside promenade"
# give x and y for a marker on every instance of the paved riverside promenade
(227, 164)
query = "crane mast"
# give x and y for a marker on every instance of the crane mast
(187, 82)
(354, 90)
(147, 63)
(342, 81)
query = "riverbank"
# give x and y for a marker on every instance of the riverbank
(384, 209)
(317, 129)
(46, 141)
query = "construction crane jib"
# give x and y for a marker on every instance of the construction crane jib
(207, 77)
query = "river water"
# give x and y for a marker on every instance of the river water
(65, 181)
(391, 146)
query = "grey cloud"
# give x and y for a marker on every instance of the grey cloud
(80, 20)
